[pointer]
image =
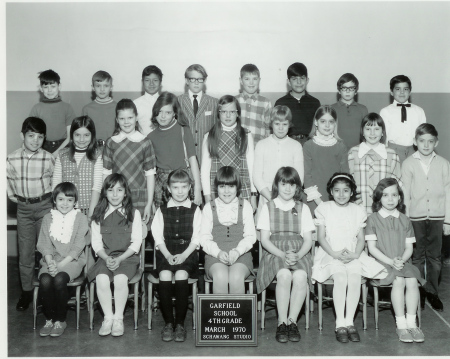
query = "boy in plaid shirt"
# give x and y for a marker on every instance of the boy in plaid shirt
(255, 109)
(29, 173)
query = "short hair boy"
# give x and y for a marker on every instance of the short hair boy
(302, 105)
(255, 109)
(401, 117)
(426, 185)
(151, 82)
(198, 110)
(57, 114)
(29, 172)
(350, 113)
(103, 109)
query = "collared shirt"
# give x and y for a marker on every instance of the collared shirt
(302, 110)
(349, 121)
(158, 222)
(425, 166)
(380, 148)
(255, 115)
(306, 220)
(398, 132)
(191, 97)
(136, 231)
(385, 214)
(144, 105)
(29, 175)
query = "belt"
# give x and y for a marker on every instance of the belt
(299, 137)
(35, 199)
(179, 241)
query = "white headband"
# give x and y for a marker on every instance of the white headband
(342, 176)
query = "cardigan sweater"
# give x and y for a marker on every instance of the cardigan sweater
(427, 196)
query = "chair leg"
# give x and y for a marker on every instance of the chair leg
(250, 287)
(307, 309)
(207, 287)
(86, 293)
(35, 295)
(419, 313)
(375, 303)
(136, 305)
(364, 298)
(319, 304)
(150, 305)
(78, 297)
(143, 298)
(194, 305)
(311, 301)
(263, 309)
(91, 301)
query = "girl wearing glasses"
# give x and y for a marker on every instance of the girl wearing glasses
(174, 147)
(228, 144)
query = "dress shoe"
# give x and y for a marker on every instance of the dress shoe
(24, 301)
(435, 302)
(342, 335)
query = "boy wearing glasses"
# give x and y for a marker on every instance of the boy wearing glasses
(303, 106)
(255, 109)
(197, 108)
(349, 112)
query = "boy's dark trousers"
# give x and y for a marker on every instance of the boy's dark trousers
(428, 249)
(29, 219)
(52, 146)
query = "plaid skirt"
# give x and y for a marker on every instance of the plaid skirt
(162, 195)
(270, 264)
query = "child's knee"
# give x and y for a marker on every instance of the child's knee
(102, 281)
(299, 277)
(340, 279)
(181, 275)
(284, 275)
(165, 276)
(399, 282)
(411, 283)
(354, 279)
(121, 280)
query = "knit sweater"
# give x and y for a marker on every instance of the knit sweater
(427, 196)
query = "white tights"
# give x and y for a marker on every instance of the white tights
(290, 294)
(346, 292)
(105, 296)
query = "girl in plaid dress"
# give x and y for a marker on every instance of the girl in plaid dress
(131, 154)
(371, 161)
(286, 226)
(228, 144)
(174, 147)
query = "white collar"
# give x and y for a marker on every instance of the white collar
(187, 203)
(111, 209)
(380, 149)
(284, 206)
(395, 102)
(416, 155)
(168, 128)
(134, 136)
(230, 128)
(222, 203)
(384, 213)
(61, 227)
(199, 95)
(151, 97)
(326, 141)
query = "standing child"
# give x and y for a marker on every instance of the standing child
(197, 109)
(300, 102)
(173, 145)
(228, 144)
(340, 256)
(29, 173)
(286, 226)
(371, 161)
(130, 153)
(402, 117)
(349, 112)
(390, 238)
(61, 243)
(81, 164)
(324, 154)
(116, 238)
(176, 230)
(151, 82)
(102, 109)
(228, 234)
(57, 114)
(255, 109)
(274, 152)
(426, 179)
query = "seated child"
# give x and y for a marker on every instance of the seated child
(303, 106)
(57, 114)
(426, 183)
(228, 234)
(341, 255)
(349, 112)
(255, 109)
(102, 109)
(286, 225)
(116, 238)
(176, 230)
(390, 238)
(29, 173)
(197, 109)
(151, 82)
(61, 243)
(401, 118)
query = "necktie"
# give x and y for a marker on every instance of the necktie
(403, 105)
(195, 105)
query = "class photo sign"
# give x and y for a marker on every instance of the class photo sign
(226, 320)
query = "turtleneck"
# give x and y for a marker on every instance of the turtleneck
(229, 128)
(104, 101)
(322, 140)
(169, 126)
(53, 100)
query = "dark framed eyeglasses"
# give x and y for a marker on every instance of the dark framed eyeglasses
(192, 80)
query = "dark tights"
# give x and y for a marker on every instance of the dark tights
(54, 295)
(181, 300)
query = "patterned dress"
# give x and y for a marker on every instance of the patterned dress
(229, 157)
(131, 159)
(285, 228)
